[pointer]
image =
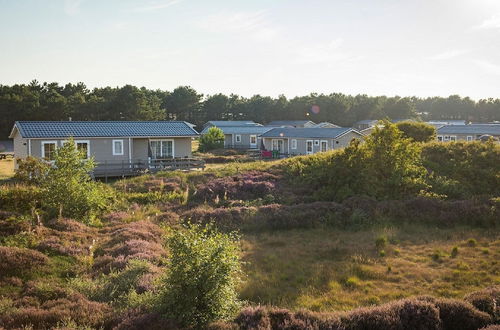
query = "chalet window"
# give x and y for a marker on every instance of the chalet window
(83, 146)
(453, 138)
(253, 140)
(309, 146)
(49, 149)
(446, 138)
(161, 149)
(117, 147)
(277, 145)
(440, 138)
(238, 138)
(316, 142)
(469, 138)
(294, 144)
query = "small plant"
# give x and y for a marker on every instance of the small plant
(397, 252)
(437, 256)
(381, 242)
(352, 282)
(485, 251)
(382, 253)
(213, 139)
(471, 242)
(454, 252)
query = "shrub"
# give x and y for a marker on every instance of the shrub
(454, 252)
(203, 273)
(19, 198)
(15, 260)
(31, 170)
(457, 315)
(417, 131)
(381, 242)
(471, 242)
(486, 300)
(68, 189)
(212, 139)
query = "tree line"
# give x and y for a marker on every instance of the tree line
(51, 101)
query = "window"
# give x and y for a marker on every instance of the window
(440, 138)
(324, 145)
(161, 149)
(49, 149)
(83, 146)
(316, 142)
(453, 138)
(117, 147)
(238, 138)
(294, 144)
(469, 138)
(446, 138)
(253, 140)
(309, 146)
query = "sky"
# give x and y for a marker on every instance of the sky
(267, 47)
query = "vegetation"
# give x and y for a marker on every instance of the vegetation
(51, 101)
(417, 131)
(214, 139)
(348, 239)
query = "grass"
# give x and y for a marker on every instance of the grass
(326, 269)
(6, 169)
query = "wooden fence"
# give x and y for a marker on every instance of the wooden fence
(107, 169)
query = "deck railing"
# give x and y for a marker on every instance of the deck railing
(105, 169)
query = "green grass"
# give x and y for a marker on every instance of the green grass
(6, 169)
(326, 269)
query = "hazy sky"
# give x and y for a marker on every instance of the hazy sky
(268, 47)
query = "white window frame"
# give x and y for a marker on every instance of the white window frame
(316, 143)
(294, 144)
(115, 153)
(312, 147)
(253, 136)
(440, 138)
(276, 141)
(237, 138)
(43, 147)
(88, 146)
(453, 138)
(321, 145)
(446, 138)
(470, 138)
(173, 146)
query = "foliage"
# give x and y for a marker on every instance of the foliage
(462, 169)
(202, 277)
(417, 131)
(213, 139)
(31, 170)
(68, 189)
(18, 260)
(20, 198)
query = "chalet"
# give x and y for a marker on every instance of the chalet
(242, 136)
(291, 123)
(304, 141)
(469, 132)
(108, 142)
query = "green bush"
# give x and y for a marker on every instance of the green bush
(203, 275)
(31, 170)
(20, 198)
(69, 191)
(213, 139)
(417, 131)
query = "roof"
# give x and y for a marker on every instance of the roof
(222, 123)
(290, 123)
(241, 129)
(89, 129)
(326, 124)
(308, 132)
(492, 129)
(366, 121)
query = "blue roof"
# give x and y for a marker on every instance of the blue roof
(308, 132)
(65, 129)
(221, 123)
(289, 122)
(491, 129)
(241, 129)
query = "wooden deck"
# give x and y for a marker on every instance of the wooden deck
(108, 169)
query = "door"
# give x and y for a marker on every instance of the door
(324, 145)
(277, 145)
(253, 141)
(309, 147)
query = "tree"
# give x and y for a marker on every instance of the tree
(213, 139)
(69, 191)
(203, 274)
(417, 131)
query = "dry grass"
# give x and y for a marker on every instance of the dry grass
(6, 169)
(328, 269)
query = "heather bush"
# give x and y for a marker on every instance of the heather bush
(52, 312)
(15, 260)
(459, 315)
(202, 277)
(486, 300)
(138, 319)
